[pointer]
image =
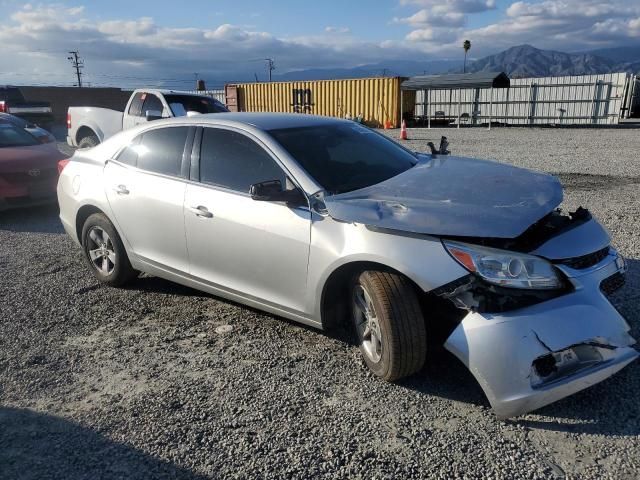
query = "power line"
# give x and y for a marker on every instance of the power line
(78, 64)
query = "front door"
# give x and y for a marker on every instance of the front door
(258, 249)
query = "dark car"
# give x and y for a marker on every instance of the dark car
(28, 168)
(12, 101)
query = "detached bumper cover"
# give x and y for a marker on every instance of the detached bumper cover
(530, 357)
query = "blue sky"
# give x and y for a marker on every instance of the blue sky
(220, 39)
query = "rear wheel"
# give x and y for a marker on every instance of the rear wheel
(389, 324)
(105, 252)
(88, 142)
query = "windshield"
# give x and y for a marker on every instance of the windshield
(181, 104)
(343, 157)
(11, 136)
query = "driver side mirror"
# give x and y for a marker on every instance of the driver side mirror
(153, 115)
(272, 191)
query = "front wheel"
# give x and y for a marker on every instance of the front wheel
(105, 252)
(389, 324)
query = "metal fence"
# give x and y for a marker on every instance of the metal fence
(216, 94)
(570, 100)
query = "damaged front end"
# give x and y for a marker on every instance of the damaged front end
(538, 339)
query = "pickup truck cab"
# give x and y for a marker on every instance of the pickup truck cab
(89, 126)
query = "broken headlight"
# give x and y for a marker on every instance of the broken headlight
(505, 268)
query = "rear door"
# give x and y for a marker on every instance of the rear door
(145, 186)
(259, 249)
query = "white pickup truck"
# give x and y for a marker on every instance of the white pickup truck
(89, 126)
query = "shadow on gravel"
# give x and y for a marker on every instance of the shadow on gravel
(152, 284)
(446, 377)
(35, 446)
(42, 219)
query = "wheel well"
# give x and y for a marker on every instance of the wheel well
(85, 132)
(335, 294)
(85, 212)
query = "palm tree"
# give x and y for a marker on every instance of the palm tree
(466, 45)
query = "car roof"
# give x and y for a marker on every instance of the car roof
(264, 121)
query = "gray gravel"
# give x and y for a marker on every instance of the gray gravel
(160, 381)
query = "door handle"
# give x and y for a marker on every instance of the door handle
(121, 190)
(201, 211)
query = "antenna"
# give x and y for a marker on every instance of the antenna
(78, 64)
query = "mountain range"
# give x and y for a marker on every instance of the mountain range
(519, 61)
(528, 61)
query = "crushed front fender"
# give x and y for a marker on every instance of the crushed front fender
(530, 357)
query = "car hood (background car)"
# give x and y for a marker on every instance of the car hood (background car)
(453, 196)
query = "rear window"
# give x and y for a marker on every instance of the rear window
(12, 136)
(181, 104)
(17, 121)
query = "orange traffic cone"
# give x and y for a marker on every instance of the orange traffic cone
(403, 131)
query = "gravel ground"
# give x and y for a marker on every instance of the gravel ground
(160, 381)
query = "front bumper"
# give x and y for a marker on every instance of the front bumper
(512, 354)
(18, 196)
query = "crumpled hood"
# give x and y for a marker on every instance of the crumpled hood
(453, 196)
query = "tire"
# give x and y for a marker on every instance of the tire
(390, 328)
(89, 142)
(105, 252)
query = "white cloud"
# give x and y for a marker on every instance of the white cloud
(566, 25)
(425, 17)
(331, 29)
(115, 50)
(459, 6)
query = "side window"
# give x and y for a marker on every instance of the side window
(135, 107)
(234, 161)
(160, 150)
(152, 103)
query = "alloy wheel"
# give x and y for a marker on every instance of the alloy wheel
(367, 325)
(101, 251)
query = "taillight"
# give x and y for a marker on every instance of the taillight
(4, 108)
(69, 121)
(61, 165)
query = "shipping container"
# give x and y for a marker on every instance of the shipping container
(375, 101)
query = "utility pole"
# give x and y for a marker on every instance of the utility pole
(270, 66)
(78, 64)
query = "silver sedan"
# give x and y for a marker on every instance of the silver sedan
(329, 223)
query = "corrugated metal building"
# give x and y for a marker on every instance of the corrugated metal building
(375, 100)
(570, 100)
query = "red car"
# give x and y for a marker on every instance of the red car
(28, 168)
